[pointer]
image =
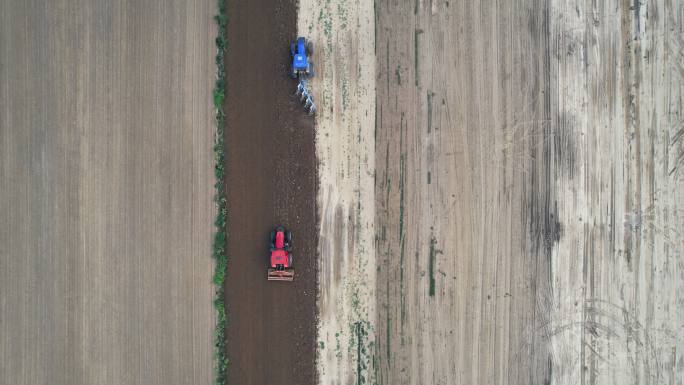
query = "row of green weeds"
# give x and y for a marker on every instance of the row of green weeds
(220, 237)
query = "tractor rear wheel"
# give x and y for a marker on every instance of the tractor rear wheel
(289, 260)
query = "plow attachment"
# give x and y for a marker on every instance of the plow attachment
(281, 275)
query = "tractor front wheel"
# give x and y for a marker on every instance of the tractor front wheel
(272, 239)
(309, 48)
(288, 236)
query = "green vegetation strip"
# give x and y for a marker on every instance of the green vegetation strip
(220, 237)
(431, 265)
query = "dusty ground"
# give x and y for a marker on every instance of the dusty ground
(617, 312)
(106, 132)
(271, 171)
(526, 159)
(344, 89)
(465, 193)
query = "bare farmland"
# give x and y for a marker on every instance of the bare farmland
(106, 136)
(528, 191)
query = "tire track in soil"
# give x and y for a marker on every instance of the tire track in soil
(271, 179)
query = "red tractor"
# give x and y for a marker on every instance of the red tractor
(281, 258)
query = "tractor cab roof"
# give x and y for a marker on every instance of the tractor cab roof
(279, 257)
(300, 62)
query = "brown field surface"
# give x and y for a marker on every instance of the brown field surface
(106, 188)
(271, 180)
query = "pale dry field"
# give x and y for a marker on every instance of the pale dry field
(344, 90)
(526, 159)
(106, 193)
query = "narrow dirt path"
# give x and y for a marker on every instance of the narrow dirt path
(271, 179)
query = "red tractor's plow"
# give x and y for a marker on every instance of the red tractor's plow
(281, 275)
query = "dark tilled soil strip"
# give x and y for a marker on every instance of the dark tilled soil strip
(271, 179)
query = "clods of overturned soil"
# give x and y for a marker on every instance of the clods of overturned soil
(271, 179)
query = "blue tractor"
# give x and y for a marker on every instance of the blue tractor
(300, 51)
